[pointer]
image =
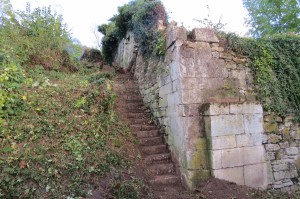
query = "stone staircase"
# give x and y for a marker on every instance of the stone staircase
(159, 170)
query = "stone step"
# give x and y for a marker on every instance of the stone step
(135, 115)
(132, 97)
(142, 121)
(165, 179)
(139, 127)
(133, 110)
(135, 101)
(132, 92)
(156, 149)
(149, 141)
(158, 158)
(161, 169)
(146, 134)
(132, 105)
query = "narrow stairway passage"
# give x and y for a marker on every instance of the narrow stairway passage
(159, 170)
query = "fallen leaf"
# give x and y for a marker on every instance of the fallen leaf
(22, 164)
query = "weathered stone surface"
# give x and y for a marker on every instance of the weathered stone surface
(232, 157)
(280, 175)
(235, 174)
(189, 110)
(223, 142)
(254, 155)
(256, 175)
(273, 139)
(246, 108)
(211, 68)
(197, 160)
(280, 167)
(226, 125)
(243, 140)
(216, 159)
(292, 151)
(272, 147)
(270, 127)
(216, 109)
(204, 35)
(176, 33)
(253, 123)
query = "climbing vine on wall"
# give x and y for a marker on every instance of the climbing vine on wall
(140, 17)
(275, 62)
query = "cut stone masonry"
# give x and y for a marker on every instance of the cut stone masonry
(232, 139)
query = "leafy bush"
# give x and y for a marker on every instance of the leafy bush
(91, 55)
(12, 78)
(140, 17)
(37, 38)
(275, 63)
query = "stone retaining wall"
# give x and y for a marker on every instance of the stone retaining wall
(234, 132)
(197, 70)
(282, 143)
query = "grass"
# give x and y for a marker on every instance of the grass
(66, 139)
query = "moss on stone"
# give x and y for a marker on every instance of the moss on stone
(199, 160)
(271, 127)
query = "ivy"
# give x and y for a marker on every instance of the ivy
(275, 62)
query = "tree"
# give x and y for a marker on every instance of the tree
(268, 17)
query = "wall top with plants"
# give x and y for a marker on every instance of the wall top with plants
(139, 17)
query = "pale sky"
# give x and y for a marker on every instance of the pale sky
(83, 17)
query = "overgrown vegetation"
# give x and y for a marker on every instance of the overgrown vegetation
(275, 63)
(65, 139)
(59, 134)
(140, 17)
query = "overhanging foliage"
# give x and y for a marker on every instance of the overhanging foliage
(275, 62)
(140, 17)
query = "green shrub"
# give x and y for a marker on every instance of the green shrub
(275, 63)
(12, 78)
(140, 17)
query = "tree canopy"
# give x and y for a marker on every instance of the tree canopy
(268, 17)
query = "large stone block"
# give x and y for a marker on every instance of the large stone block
(280, 175)
(216, 159)
(253, 123)
(292, 151)
(235, 174)
(191, 97)
(222, 142)
(215, 109)
(254, 155)
(256, 175)
(176, 33)
(232, 157)
(245, 108)
(204, 35)
(248, 140)
(226, 125)
(197, 160)
(211, 68)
